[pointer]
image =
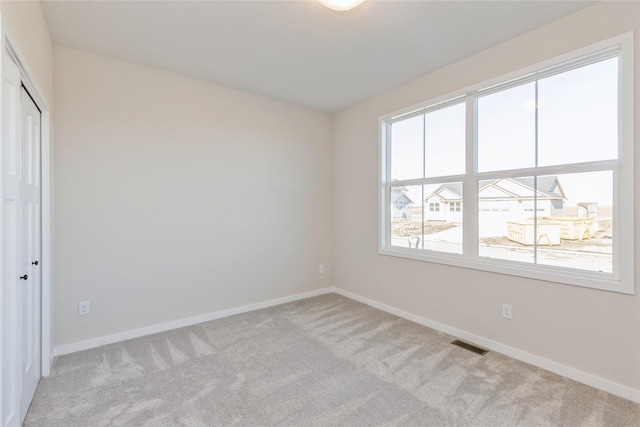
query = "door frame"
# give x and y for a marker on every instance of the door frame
(12, 51)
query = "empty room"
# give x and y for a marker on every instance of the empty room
(319, 213)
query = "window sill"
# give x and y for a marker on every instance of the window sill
(593, 280)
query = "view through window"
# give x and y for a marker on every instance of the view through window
(529, 178)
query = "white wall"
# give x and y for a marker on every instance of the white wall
(177, 197)
(593, 331)
(28, 31)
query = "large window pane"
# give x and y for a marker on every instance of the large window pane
(505, 218)
(578, 115)
(407, 149)
(406, 216)
(578, 209)
(566, 223)
(546, 160)
(445, 141)
(443, 217)
(506, 129)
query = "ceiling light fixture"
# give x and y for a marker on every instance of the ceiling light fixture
(341, 5)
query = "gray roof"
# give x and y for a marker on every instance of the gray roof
(547, 185)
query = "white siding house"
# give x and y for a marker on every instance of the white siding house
(502, 199)
(401, 204)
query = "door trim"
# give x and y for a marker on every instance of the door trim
(11, 50)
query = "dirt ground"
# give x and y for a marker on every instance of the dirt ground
(407, 227)
(601, 241)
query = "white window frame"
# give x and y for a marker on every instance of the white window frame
(622, 278)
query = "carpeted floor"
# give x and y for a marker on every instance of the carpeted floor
(323, 361)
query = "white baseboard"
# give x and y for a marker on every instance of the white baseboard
(549, 365)
(162, 327)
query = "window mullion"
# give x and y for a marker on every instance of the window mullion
(426, 181)
(535, 180)
(599, 165)
(424, 174)
(469, 183)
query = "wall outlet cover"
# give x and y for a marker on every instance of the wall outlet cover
(84, 308)
(506, 311)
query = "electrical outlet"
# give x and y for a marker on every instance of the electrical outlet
(506, 311)
(84, 308)
(321, 268)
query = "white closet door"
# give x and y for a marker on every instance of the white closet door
(11, 372)
(30, 248)
(21, 293)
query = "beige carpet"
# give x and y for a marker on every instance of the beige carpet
(323, 361)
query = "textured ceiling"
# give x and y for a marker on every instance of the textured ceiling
(297, 51)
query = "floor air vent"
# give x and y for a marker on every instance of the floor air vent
(470, 347)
